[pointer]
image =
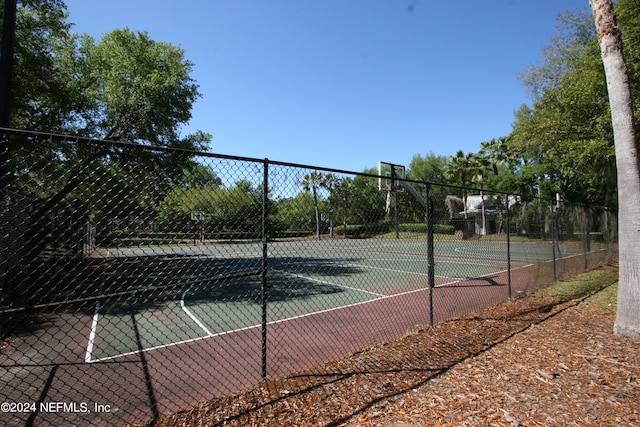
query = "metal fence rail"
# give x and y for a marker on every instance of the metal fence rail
(136, 281)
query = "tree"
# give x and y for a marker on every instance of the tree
(200, 175)
(296, 215)
(626, 146)
(125, 87)
(143, 89)
(42, 93)
(311, 184)
(362, 201)
(330, 181)
(478, 166)
(429, 168)
(565, 136)
(341, 196)
(497, 152)
(179, 203)
(234, 209)
(367, 200)
(459, 167)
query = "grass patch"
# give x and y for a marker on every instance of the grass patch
(605, 301)
(584, 285)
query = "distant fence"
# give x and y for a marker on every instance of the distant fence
(136, 281)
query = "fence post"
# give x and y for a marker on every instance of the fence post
(508, 247)
(430, 256)
(265, 264)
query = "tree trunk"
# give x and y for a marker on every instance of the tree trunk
(628, 310)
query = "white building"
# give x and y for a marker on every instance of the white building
(486, 220)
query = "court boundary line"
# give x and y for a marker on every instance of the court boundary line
(273, 322)
(324, 282)
(92, 334)
(244, 328)
(93, 330)
(190, 314)
(468, 257)
(418, 273)
(212, 335)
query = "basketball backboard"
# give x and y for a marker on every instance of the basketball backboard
(388, 173)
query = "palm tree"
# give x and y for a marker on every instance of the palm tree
(311, 183)
(458, 167)
(496, 151)
(342, 192)
(330, 181)
(628, 167)
(478, 165)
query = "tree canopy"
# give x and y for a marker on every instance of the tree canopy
(125, 87)
(566, 135)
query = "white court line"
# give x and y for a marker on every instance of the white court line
(211, 335)
(440, 261)
(393, 270)
(94, 327)
(324, 282)
(233, 331)
(273, 322)
(171, 344)
(92, 334)
(419, 273)
(300, 316)
(464, 279)
(191, 315)
(374, 267)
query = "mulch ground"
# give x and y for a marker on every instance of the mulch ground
(541, 360)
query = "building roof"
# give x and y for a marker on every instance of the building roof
(491, 205)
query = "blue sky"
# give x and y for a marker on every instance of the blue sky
(345, 83)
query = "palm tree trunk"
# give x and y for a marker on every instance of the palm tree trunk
(628, 309)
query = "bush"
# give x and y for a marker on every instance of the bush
(422, 228)
(351, 230)
(366, 230)
(363, 230)
(283, 234)
(443, 229)
(413, 228)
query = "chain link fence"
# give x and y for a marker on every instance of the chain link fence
(136, 281)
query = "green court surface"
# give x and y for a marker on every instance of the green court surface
(304, 277)
(212, 309)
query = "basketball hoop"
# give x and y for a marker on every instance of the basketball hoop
(388, 174)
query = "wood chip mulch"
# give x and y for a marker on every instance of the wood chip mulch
(535, 361)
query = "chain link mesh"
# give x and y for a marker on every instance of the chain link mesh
(136, 281)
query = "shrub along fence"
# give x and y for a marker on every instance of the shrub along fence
(137, 281)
